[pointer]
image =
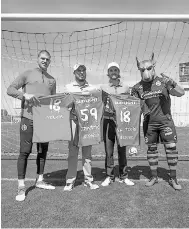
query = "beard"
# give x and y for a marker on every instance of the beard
(81, 79)
(114, 77)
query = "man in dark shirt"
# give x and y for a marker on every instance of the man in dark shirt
(154, 92)
(34, 83)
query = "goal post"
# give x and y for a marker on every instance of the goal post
(94, 17)
(124, 38)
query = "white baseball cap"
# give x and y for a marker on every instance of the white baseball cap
(113, 64)
(76, 66)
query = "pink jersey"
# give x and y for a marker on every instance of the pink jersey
(89, 110)
(51, 120)
(127, 112)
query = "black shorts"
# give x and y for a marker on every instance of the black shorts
(26, 135)
(159, 132)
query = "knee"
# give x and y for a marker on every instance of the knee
(23, 156)
(170, 146)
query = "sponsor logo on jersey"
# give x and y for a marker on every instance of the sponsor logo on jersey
(168, 131)
(151, 94)
(24, 127)
(158, 83)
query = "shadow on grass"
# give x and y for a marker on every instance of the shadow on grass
(30, 189)
(136, 171)
(58, 178)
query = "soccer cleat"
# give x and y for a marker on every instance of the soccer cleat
(126, 181)
(42, 184)
(174, 183)
(21, 193)
(68, 187)
(90, 185)
(151, 181)
(107, 181)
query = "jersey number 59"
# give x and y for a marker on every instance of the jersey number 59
(85, 114)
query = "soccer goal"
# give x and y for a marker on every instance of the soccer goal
(124, 38)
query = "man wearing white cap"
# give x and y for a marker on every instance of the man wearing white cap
(79, 85)
(115, 86)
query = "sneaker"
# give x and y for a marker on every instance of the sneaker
(68, 187)
(151, 181)
(126, 181)
(21, 193)
(42, 184)
(174, 183)
(107, 181)
(91, 185)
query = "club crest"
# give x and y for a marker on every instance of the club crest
(158, 83)
(24, 127)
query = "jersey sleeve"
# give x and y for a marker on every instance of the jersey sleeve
(169, 83)
(144, 108)
(134, 92)
(19, 82)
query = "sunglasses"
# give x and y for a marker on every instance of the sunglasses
(148, 69)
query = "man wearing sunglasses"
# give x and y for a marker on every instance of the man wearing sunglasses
(154, 92)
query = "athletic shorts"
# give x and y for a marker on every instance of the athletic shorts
(26, 135)
(155, 133)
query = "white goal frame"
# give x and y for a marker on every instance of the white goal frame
(94, 17)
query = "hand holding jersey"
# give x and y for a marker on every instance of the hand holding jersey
(31, 100)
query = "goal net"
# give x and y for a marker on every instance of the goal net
(120, 42)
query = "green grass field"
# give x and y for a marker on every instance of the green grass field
(115, 206)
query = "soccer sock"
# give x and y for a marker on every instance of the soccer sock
(22, 165)
(152, 156)
(42, 149)
(39, 177)
(21, 182)
(172, 160)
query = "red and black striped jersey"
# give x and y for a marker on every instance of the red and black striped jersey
(156, 95)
